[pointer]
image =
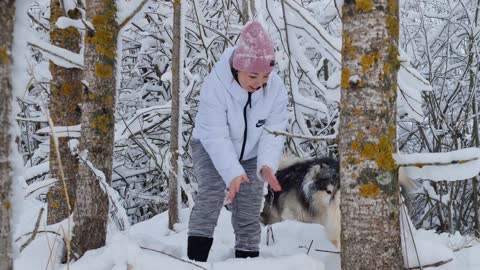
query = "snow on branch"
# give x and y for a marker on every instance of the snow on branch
(410, 81)
(135, 124)
(308, 138)
(62, 131)
(117, 211)
(330, 45)
(37, 170)
(65, 22)
(445, 166)
(59, 56)
(125, 12)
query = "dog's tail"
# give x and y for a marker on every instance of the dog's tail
(287, 161)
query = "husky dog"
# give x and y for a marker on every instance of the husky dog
(310, 193)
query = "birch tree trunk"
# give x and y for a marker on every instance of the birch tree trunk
(7, 12)
(245, 16)
(96, 142)
(65, 97)
(175, 126)
(369, 187)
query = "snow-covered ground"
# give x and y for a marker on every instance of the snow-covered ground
(151, 245)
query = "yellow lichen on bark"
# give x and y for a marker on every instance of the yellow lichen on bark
(393, 54)
(355, 145)
(347, 46)
(368, 60)
(392, 132)
(99, 21)
(364, 5)
(387, 69)
(103, 71)
(7, 204)
(345, 80)
(369, 190)
(392, 26)
(369, 150)
(384, 159)
(101, 123)
(3, 55)
(108, 101)
(67, 89)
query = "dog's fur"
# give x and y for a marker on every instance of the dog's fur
(310, 193)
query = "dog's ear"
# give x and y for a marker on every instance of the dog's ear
(324, 166)
(313, 171)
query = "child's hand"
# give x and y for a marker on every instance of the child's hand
(235, 186)
(268, 175)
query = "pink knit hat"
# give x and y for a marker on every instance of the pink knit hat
(254, 52)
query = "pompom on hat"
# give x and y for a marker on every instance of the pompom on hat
(254, 52)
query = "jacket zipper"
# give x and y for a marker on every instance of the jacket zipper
(249, 102)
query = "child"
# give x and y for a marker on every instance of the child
(239, 101)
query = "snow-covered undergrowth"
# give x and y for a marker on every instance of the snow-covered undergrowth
(150, 245)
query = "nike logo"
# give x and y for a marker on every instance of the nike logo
(261, 122)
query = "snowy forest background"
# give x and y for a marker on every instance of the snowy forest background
(437, 102)
(439, 38)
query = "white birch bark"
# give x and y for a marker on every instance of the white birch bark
(369, 181)
(96, 142)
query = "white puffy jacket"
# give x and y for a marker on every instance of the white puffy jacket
(220, 121)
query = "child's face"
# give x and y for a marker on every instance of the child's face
(252, 81)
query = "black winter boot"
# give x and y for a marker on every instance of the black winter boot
(198, 248)
(246, 254)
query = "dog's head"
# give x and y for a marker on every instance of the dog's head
(322, 181)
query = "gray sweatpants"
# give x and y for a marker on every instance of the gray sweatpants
(210, 197)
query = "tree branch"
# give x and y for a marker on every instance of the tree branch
(308, 138)
(436, 264)
(171, 256)
(58, 53)
(35, 230)
(328, 251)
(138, 9)
(421, 164)
(37, 22)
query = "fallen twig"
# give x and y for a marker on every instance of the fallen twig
(458, 249)
(328, 251)
(52, 232)
(436, 264)
(35, 230)
(169, 255)
(307, 248)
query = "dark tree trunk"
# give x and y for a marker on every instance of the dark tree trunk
(175, 125)
(65, 97)
(7, 13)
